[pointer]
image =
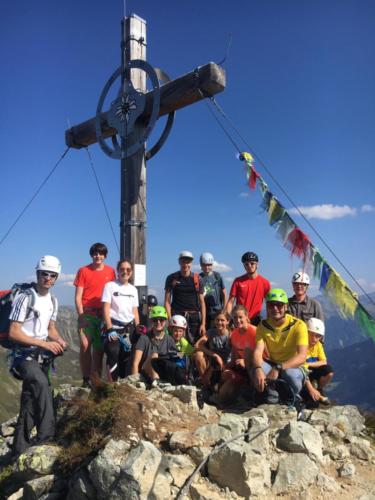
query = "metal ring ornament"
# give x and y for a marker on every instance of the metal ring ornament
(125, 110)
(164, 78)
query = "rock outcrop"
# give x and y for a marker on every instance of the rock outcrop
(162, 444)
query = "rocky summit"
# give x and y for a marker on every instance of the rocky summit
(127, 442)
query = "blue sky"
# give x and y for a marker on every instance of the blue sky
(300, 87)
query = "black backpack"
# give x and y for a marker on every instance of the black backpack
(7, 298)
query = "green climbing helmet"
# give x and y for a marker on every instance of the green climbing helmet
(277, 295)
(158, 312)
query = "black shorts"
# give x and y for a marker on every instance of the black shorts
(169, 371)
(321, 371)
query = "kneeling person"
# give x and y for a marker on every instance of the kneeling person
(29, 330)
(286, 340)
(154, 353)
(320, 372)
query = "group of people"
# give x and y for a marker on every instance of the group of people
(201, 335)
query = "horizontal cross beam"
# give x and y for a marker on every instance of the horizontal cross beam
(204, 81)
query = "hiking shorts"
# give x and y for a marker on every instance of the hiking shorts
(321, 371)
(93, 331)
(239, 375)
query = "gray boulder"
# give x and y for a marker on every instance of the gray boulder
(346, 470)
(81, 487)
(346, 418)
(295, 472)
(301, 437)
(105, 469)
(259, 436)
(236, 424)
(40, 486)
(180, 467)
(37, 461)
(237, 467)
(327, 483)
(138, 473)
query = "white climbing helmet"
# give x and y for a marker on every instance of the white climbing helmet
(179, 321)
(301, 277)
(316, 325)
(49, 263)
(206, 258)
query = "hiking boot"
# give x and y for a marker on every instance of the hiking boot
(324, 400)
(86, 383)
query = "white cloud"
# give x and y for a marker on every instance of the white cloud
(325, 211)
(229, 279)
(367, 208)
(66, 277)
(220, 267)
(244, 194)
(67, 283)
(274, 284)
(365, 284)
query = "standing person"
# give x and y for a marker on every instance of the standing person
(89, 283)
(250, 289)
(121, 318)
(29, 329)
(184, 296)
(300, 305)
(286, 340)
(215, 295)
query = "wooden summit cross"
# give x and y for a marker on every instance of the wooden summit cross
(139, 105)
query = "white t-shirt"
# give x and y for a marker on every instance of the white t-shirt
(122, 300)
(37, 321)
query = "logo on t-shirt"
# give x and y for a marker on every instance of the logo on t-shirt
(120, 294)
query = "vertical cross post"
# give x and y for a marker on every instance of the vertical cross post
(133, 169)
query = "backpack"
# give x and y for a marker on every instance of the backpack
(176, 275)
(7, 298)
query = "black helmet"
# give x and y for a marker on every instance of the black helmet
(249, 256)
(152, 300)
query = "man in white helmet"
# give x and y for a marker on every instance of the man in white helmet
(300, 305)
(33, 330)
(215, 295)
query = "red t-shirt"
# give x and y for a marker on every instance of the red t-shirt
(250, 293)
(92, 281)
(241, 340)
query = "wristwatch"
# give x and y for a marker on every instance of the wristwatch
(279, 367)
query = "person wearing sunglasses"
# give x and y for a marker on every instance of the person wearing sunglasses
(120, 314)
(283, 340)
(33, 331)
(89, 283)
(157, 344)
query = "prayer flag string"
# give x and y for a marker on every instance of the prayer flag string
(300, 245)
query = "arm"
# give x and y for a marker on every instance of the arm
(202, 328)
(316, 364)
(136, 361)
(229, 305)
(78, 300)
(106, 315)
(54, 335)
(223, 296)
(297, 360)
(16, 335)
(167, 303)
(259, 375)
(314, 393)
(136, 316)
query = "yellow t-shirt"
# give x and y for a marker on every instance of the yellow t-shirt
(316, 353)
(282, 341)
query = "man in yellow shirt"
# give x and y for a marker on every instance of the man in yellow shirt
(282, 339)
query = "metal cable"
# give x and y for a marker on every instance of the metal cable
(224, 115)
(34, 196)
(102, 197)
(184, 490)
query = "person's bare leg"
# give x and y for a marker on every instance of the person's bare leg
(85, 354)
(200, 363)
(325, 380)
(147, 367)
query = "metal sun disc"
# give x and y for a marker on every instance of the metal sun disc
(125, 110)
(121, 106)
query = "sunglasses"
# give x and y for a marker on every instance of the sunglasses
(46, 274)
(158, 320)
(278, 305)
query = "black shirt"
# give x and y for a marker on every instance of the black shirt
(185, 296)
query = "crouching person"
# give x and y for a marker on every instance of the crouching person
(36, 339)
(156, 352)
(286, 340)
(320, 372)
